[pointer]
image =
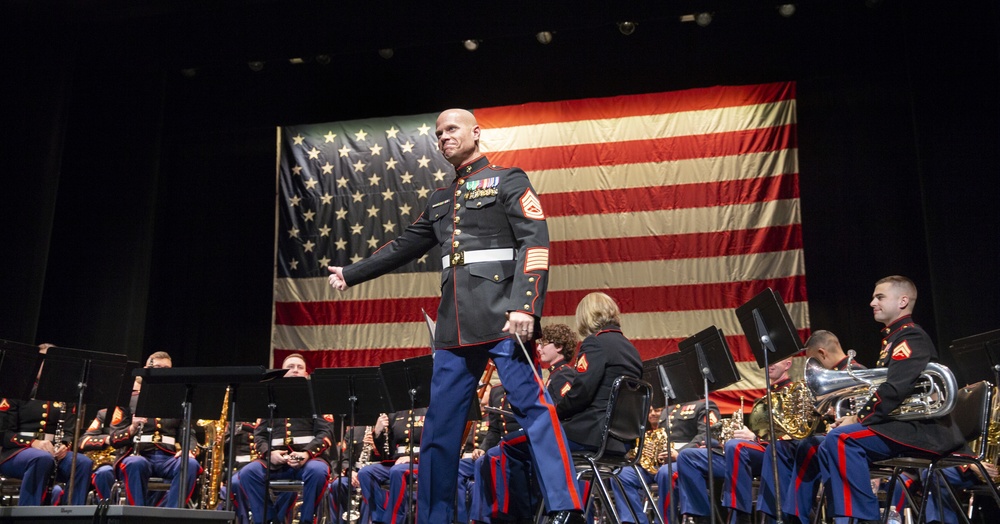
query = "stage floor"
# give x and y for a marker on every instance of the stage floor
(113, 515)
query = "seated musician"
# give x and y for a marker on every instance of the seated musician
(294, 453)
(605, 355)
(497, 479)
(155, 451)
(393, 438)
(97, 442)
(872, 435)
(37, 438)
(798, 471)
(687, 428)
(740, 463)
(346, 482)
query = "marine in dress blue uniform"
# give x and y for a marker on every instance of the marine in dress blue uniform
(26, 424)
(847, 449)
(388, 505)
(491, 228)
(98, 437)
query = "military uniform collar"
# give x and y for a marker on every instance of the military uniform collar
(781, 384)
(471, 167)
(900, 323)
(557, 366)
(842, 365)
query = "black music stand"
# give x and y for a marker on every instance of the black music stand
(19, 365)
(707, 354)
(201, 391)
(407, 382)
(769, 329)
(276, 398)
(670, 378)
(354, 393)
(977, 357)
(98, 376)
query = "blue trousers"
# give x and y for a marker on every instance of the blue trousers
(34, 467)
(456, 374)
(743, 462)
(103, 480)
(666, 487)
(798, 478)
(253, 477)
(692, 490)
(633, 495)
(844, 458)
(505, 488)
(136, 470)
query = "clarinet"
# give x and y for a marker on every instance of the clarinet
(57, 439)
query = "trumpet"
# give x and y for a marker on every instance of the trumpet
(848, 391)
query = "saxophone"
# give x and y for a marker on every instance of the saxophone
(215, 457)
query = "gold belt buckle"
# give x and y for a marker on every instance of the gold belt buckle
(157, 438)
(458, 259)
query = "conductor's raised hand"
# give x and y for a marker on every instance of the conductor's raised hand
(337, 278)
(520, 324)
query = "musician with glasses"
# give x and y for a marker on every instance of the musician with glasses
(872, 435)
(155, 451)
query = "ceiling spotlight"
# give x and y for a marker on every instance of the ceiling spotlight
(786, 10)
(385, 52)
(256, 66)
(323, 59)
(471, 45)
(626, 28)
(703, 19)
(544, 37)
(296, 61)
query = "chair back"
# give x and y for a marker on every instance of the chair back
(973, 405)
(627, 415)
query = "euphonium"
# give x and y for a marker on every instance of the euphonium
(215, 441)
(848, 391)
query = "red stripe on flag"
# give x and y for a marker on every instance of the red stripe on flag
(676, 247)
(633, 105)
(692, 297)
(683, 196)
(738, 346)
(707, 145)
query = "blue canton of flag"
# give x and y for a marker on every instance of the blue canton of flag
(347, 188)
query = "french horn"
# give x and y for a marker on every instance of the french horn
(846, 392)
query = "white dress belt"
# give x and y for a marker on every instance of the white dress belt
(169, 441)
(242, 459)
(461, 258)
(295, 440)
(48, 436)
(401, 450)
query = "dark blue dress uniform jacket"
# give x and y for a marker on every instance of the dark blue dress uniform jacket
(486, 207)
(603, 358)
(906, 350)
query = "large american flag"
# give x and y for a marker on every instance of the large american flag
(681, 205)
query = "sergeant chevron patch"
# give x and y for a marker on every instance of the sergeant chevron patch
(531, 207)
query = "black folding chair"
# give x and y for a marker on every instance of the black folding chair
(624, 429)
(973, 408)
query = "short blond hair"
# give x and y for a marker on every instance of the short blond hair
(595, 311)
(160, 355)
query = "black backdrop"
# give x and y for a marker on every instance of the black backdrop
(138, 202)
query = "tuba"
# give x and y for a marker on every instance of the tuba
(846, 392)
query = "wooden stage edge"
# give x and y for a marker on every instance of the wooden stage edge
(111, 515)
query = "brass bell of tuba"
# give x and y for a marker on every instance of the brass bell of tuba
(846, 392)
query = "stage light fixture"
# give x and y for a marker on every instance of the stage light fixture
(703, 19)
(323, 59)
(786, 10)
(471, 45)
(627, 27)
(544, 37)
(256, 66)
(386, 52)
(296, 61)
